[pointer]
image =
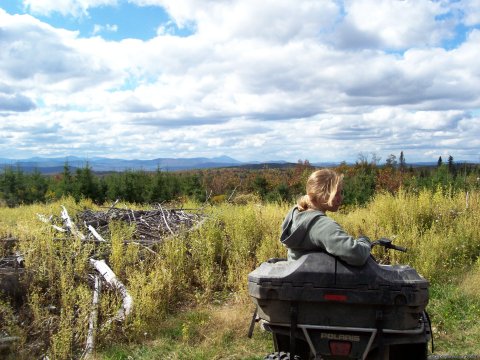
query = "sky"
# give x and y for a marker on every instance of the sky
(322, 80)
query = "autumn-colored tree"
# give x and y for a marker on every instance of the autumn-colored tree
(388, 180)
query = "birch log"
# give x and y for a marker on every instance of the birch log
(92, 322)
(111, 278)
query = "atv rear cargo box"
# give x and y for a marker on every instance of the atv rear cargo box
(329, 292)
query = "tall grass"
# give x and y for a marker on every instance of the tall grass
(210, 263)
(440, 229)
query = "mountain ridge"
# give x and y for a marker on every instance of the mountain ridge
(49, 165)
(55, 165)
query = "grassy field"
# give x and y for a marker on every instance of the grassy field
(206, 332)
(189, 293)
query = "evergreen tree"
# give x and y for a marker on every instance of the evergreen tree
(440, 177)
(137, 184)
(359, 185)
(260, 186)
(440, 161)
(165, 187)
(402, 163)
(451, 166)
(66, 182)
(36, 187)
(283, 192)
(86, 184)
(12, 186)
(113, 184)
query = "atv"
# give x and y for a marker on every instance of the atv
(319, 307)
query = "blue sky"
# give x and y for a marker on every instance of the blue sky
(324, 80)
(122, 20)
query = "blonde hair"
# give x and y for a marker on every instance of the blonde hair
(322, 185)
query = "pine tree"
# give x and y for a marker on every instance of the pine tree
(12, 186)
(451, 165)
(403, 164)
(66, 182)
(86, 184)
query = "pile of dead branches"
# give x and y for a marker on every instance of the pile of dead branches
(150, 226)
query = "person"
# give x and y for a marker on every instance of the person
(307, 228)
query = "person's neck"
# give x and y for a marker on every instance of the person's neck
(316, 208)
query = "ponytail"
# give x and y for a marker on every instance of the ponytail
(304, 203)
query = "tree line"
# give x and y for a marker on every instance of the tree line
(361, 181)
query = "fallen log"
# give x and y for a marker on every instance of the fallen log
(112, 280)
(92, 322)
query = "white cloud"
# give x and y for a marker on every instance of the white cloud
(271, 79)
(392, 24)
(40, 60)
(270, 20)
(471, 11)
(64, 7)
(98, 29)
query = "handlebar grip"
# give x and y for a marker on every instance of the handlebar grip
(399, 248)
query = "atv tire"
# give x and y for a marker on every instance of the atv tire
(280, 355)
(409, 351)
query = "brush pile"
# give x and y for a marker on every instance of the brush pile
(150, 226)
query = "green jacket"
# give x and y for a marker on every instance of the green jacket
(311, 230)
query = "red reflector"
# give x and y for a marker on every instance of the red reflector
(335, 297)
(340, 348)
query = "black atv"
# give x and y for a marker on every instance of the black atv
(318, 307)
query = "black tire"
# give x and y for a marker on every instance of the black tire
(374, 355)
(418, 351)
(281, 355)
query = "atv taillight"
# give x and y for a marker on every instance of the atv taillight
(335, 297)
(340, 348)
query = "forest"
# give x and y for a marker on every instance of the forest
(270, 184)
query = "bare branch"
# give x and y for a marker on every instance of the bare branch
(46, 220)
(71, 225)
(95, 233)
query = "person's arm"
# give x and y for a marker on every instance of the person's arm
(331, 236)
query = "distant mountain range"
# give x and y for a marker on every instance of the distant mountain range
(98, 164)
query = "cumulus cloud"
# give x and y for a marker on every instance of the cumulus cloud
(323, 80)
(37, 56)
(393, 25)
